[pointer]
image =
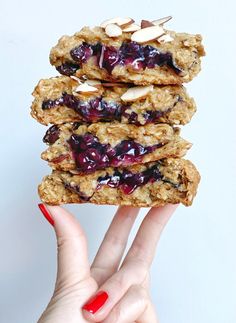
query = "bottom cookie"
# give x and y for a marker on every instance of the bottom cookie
(170, 180)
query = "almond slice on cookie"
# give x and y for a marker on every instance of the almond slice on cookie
(131, 28)
(75, 78)
(161, 21)
(85, 88)
(94, 83)
(112, 30)
(136, 93)
(147, 34)
(146, 23)
(165, 39)
(121, 22)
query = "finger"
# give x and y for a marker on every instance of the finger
(135, 306)
(134, 270)
(110, 293)
(73, 265)
(113, 246)
(144, 245)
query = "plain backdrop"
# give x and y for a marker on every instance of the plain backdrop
(193, 274)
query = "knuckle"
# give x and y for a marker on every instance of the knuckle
(113, 239)
(139, 268)
(139, 251)
(140, 292)
(64, 241)
(120, 281)
(115, 314)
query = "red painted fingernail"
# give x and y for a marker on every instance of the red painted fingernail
(95, 303)
(46, 213)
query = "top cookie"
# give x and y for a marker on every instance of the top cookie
(114, 52)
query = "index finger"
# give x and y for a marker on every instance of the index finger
(73, 264)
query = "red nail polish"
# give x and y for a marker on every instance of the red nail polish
(46, 213)
(96, 302)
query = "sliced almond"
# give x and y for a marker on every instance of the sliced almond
(147, 34)
(135, 93)
(86, 88)
(122, 22)
(113, 30)
(161, 21)
(127, 23)
(165, 39)
(100, 63)
(146, 23)
(93, 82)
(76, 79)
(131, 28)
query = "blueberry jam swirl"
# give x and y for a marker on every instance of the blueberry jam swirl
(89, 154)
(126, 180)
(130, 53)
(98, 109)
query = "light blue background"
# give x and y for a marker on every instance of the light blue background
(193, 275)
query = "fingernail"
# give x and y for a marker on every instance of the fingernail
(46, 214)
(95, 303)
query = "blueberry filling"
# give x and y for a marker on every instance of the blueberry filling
(68, 68)
(89, 154)
(110, 58)
(51, 135)
(130, 53)
(129, 181)
(126, 181)
(150, 116)
(98, 109)
(90, 111)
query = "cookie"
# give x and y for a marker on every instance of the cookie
(64, 99)
(126, 58)
(87, 148)
(153, 184)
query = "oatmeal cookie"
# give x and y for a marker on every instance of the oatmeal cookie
(86, 148)
(58, 100)
(93, 53)
(153, 184)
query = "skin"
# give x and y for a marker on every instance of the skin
(126, 282)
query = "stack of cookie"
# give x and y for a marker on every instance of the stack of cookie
(115, 113)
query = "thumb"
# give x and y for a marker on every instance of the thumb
(73, 264)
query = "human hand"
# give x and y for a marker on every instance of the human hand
(121, 289)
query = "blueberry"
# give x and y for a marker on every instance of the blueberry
(90, 154)
(81, 53)
(96, 48)
(111, 58)
(67, 68)
(86, 162)
(129, 181)
(48, 104)
(132, 50)
(127, 149)
(51, 135)
(70, 101)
